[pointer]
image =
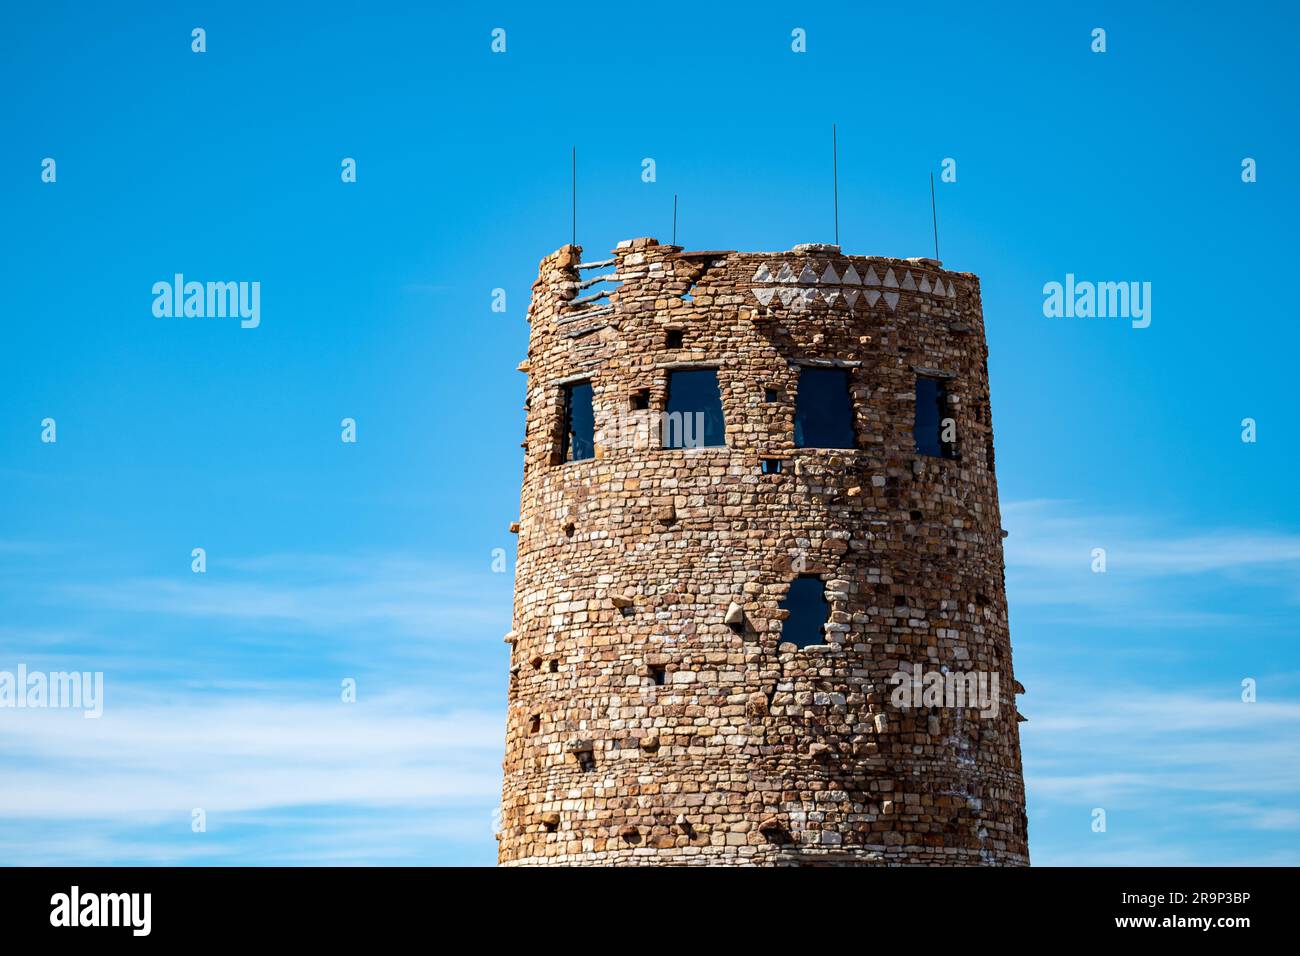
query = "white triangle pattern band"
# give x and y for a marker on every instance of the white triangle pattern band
(802, 298)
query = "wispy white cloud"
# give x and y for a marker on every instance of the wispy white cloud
(1148, 722)
(222, 693)
(407, 596)
(1166, 765)
(157, 757)
(1045, 535)
(1153, 577)
(26, 548)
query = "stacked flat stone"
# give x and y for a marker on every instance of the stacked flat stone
(655, 717)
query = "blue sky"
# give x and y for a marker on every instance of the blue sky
(374, 561)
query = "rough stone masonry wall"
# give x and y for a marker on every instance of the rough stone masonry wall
(750, 753)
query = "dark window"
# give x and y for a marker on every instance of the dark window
(769, 395)
(933, 421)
(694, 410)
(579, 422)
(640, 399)
(808, 609)
(771, 466)
(659, 674)
(674, 338)
(823, 415)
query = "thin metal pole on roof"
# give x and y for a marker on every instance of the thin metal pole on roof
(835, 177)
(575, 195)
(934, 217)
(674, 219)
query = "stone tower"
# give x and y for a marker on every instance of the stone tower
(727, 452)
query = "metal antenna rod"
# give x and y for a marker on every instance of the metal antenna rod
(575, 195)
(835, 176)
(674, 219)
(934, 217)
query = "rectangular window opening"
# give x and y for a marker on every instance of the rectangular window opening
(579, 430)
(675, 338)
(935, 430)
(659, 674)
(823, 415)
(693, 413)
(771, 466)
(640, 399)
